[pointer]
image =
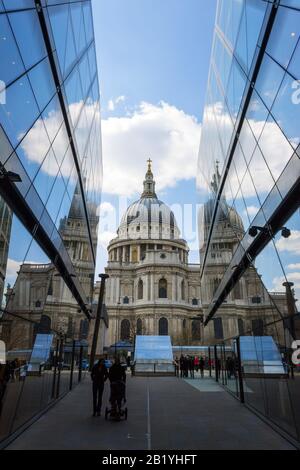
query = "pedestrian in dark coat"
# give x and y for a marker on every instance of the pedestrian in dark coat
(99, 375)
(191, 367)
(201, 366)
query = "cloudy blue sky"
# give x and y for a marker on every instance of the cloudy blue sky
(153, 59)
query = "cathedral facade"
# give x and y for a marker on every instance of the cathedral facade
(152, 288)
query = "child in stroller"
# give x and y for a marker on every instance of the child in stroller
(117, 377)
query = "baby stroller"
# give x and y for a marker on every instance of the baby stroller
(117, 399)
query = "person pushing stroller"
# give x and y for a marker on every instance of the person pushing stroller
(117, 378)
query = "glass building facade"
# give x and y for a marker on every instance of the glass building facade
(50, 188)
(249, 182)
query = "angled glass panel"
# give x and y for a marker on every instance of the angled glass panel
(286, 110)
(55, 198)
(260, 174)
(42, 83)
(275, 148)
(34, 148)
(284, 36)
(16, 124)
(269, 80)
(11, 63)
(46, 176)
(60, 20)
(76, 11)
(53, 118)
(27, 31)
(294, 66)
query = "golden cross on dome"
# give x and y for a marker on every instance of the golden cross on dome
(149, 164)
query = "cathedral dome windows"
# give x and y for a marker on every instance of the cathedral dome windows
(163, 289)
(140, 295)
(125, 330)
(163, 327)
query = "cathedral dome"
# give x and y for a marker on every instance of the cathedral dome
(148, 217)
(225, 214)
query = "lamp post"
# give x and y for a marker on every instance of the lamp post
(103, 278)
(117, 327)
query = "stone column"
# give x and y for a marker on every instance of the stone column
(118, 290)
(174, 280)
(145, 281)
(152, 293)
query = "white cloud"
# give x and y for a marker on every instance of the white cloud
(293, 266)
(36, 143)
(106, 207)
(251, 210)
(12, 269)
(113, 103)
(291, 244)
(163, 132)
(291, 277)
(105, 237)
(120, 99)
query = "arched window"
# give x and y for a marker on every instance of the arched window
(241, 327)
(126, 300)
(258, 327)
(216, 283)
(134, 255)
(163, 289)
(196, 330)
(125, 330)
(71, 327)
(84, 329)
(218, 327)
(184, 324)
(140, 289)
(237, 294)
(195, 301)
(163, 327)
(182, 290)
(44, 326)
(139, 327)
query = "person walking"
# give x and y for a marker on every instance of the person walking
(196, 363)
(176, 364)
(181, 365)
(99, 375)
(201, 366)
(191, 367)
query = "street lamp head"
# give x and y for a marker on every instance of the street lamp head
(13, 177)
(285, 232)
(104, 276)
(253, 231)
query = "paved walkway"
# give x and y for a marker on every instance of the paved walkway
(163, 413)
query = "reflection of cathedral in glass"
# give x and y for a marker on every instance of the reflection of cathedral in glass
(40, 290)
(75, 235)
(248, 301)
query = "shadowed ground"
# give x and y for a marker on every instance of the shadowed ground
(163, 413)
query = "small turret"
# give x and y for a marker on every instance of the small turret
(149, 183)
